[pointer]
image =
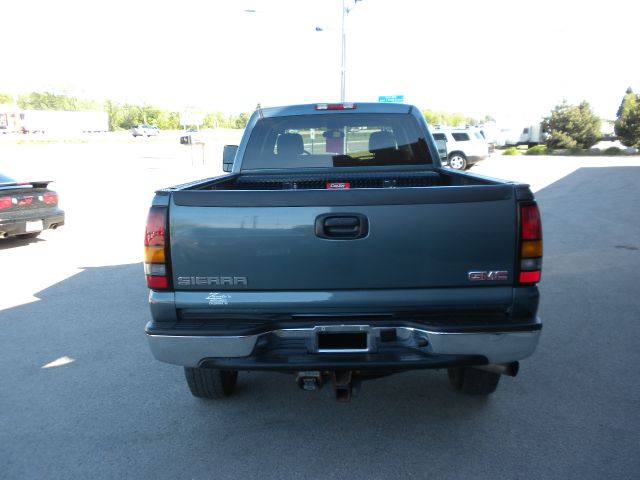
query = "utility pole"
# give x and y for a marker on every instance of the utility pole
(343, 63)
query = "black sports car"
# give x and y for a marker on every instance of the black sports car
(27, 208)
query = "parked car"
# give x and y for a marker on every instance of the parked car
(27, 208)
(145, 130)
(465, 146)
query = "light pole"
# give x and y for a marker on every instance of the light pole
(343, 63)
(343, 60)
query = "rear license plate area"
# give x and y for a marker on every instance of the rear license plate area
(35, 226)
(329, 342)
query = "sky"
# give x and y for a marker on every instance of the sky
(511, 59)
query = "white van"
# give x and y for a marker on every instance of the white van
(145, 130)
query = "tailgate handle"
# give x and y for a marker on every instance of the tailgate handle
(342, 227)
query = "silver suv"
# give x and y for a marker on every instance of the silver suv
(465, 146)
(144, 130)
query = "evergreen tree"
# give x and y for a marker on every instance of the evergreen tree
(571, 126)
(627, 125)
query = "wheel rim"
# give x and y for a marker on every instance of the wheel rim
(456, 162)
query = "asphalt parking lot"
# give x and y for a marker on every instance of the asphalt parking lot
(82, 397)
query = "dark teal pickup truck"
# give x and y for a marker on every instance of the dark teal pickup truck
(337, 248)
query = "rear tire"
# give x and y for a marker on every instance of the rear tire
(458, 161)
(210, 383)
(473, 381)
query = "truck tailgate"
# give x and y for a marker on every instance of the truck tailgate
(333, 240)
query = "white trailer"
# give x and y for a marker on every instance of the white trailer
(56, 121)
(531, 135)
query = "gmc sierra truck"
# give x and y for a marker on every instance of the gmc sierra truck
(337, 248)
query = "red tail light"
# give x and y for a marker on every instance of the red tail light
(530, 225)
(50, 198)
(154, 231)
(157, 283)
(5, 202)
(155, 243)
(530, 244)
(530, 277)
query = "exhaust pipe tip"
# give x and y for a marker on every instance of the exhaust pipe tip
(510, 369)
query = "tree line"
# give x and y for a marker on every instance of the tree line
(568, 126)
(576, 126)
(122, 116)
(443, 118)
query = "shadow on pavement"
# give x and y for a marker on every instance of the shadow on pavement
(114, 411)
(15, 242)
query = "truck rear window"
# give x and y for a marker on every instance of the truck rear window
(336, 140)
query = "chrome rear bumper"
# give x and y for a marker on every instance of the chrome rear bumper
(408, 342)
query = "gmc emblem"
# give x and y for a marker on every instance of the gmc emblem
(492, 275)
